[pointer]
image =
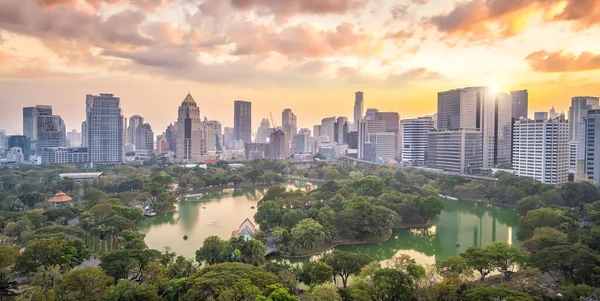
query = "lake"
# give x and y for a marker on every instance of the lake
(221, 212)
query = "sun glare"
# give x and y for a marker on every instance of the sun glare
(495, 88)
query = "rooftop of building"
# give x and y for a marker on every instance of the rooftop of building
(60, 197)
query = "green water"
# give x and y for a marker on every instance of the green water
(215, 213)
(460, 221)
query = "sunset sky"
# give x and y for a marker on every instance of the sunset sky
(307, 55)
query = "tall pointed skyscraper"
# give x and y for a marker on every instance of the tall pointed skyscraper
(190, 134)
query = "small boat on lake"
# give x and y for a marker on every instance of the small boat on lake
(252, 207)
(185, 237)
(148, 211)
(448, 197)
(457, 244)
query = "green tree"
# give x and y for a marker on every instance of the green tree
(89, 283)
(316, 272)
(47, 277)
(528, 203)
(479, 260)
(291, 218)
(127, 290)
(307, 232)
(8, 257)
(280, 235)
(505, 258)
(369, 186)
(164, 203)
(268, 215)
(392, 284)
(94, 196)
(323, 292)
(253, 175)
(578, 292)
(431, 207)
(16, 229)
(8, 287)
(281, 294)
(545, 237)
(545, 217)
(210, 282)
(488, 293)
(454, 267)
(345, 264)
(67, 253)
(572, 262)
(128, 264)
(213, 251)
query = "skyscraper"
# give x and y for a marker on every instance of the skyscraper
(458, 151)
(171, 135)
(190, 134)
(328, 128)
(302, 141)
(592, 142)
(264, 131)
(481, 109)
(74, 138)
(359, 108)
(580, 105)
(134, 122)
(104, 121)
(392, 125)
(30, 117)
(51, 132)
(162, 144)
(144, 139)
(242, 120)
(228, 137)
(414, 139)
(541, 150)
(371, 114)
(212, 130)
(3, 144)
(289, 124)
(520, 103)
(22, 142)
(341, 130)
(277, 144)
(84, 134)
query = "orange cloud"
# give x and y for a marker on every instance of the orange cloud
(544, 61)
(286, 8)
(490, 19)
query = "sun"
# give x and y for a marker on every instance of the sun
(495, 88)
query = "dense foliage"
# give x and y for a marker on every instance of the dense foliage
(558, 228)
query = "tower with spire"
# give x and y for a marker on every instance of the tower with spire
(190, 134)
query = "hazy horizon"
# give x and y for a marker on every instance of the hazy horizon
(307, 55)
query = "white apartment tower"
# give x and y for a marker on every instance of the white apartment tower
(190, 135)
(104, 123)
(577, 114)
(541, 150)
(134, 122)
(414, 139)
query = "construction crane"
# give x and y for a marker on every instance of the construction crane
(273, 122)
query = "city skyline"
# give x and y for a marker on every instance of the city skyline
(400, 52)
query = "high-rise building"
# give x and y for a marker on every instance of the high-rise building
(229, 137)
(289, 123)
(302, 141)
(359, 108)
(3, 144)
(553, 113)
(328, 128)
(30, 118)
(212, 130)
(264, 131)
(190, 134)
(22, 142)
(171, 135)
(520, 104)
(414, 140)
(242, 120)
(577, 113)
(502, 129)
(134, 122)
(277, 143)
(458, 151)
(540, 150)
(341, 130)
(51, 132)
(74, 138)
(84, 134)
(104, 121)
(392, 125)
(482, 109)
(540, 116)
(382, 146)
(371, 114)
(61, 155)
(144, 139)
(162, 144)
(362, 138)
(592, 142)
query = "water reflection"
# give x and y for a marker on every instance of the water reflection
(214, 213)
